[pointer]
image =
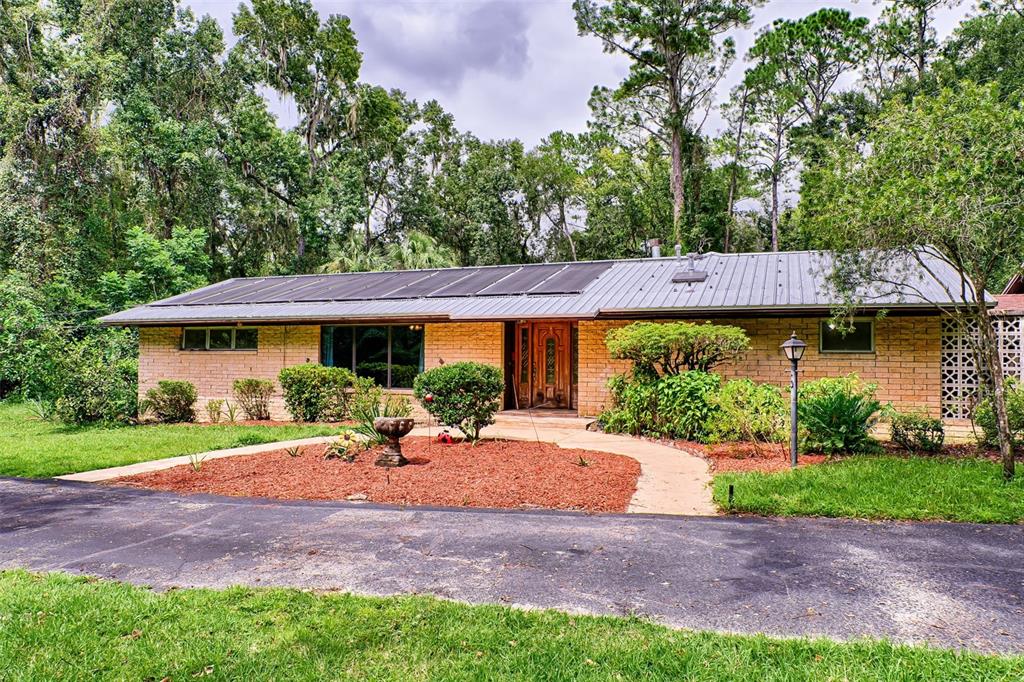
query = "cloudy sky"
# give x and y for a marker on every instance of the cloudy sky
(508, 68)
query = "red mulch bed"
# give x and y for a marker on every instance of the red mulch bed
(764, 457)
(494, 473)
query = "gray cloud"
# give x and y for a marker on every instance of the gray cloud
(441, 45)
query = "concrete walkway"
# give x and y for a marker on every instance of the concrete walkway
(671, 481)
(948, 584)
(109, 473)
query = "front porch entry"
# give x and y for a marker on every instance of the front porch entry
(543, 364)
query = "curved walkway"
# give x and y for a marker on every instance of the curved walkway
(671, 481)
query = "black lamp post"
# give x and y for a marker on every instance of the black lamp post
(794, 350)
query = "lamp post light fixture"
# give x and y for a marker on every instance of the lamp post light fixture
(794, 349)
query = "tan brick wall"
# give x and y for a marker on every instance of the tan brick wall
(905, 364)
(213, 372)
(448, 342)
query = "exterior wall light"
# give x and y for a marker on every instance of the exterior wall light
(794, 349)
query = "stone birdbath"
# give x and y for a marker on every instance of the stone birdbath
(392, 428)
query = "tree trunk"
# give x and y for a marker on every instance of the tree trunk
(994, 366)
(775, 211)
(676, 180)
(735, 168)
(565, 228)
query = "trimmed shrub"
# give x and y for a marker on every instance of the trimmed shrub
(917, 432)
(665, 348)
(748, 411)
(985, 415)
(836, 415)
(172, 401)
(675, 406)
(254, 397)
(315, 392)
(213, 409)
(465, 395)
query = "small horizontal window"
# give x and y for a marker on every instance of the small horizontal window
(844, 339)
(219, 338)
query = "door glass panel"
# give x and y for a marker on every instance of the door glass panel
(549, 360)
(575, 350)
(524, 355)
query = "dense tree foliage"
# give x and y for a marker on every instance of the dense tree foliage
(139, 156)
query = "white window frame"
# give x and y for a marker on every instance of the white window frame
(861, 320)
(207, 349)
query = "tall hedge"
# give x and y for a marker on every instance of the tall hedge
(463, 395)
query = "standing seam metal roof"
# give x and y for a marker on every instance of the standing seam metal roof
(736, 283)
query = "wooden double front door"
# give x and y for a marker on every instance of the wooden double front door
(545, 365)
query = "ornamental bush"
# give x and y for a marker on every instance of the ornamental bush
(254, 397)
(464, 395)
(675, 406)
(985, 415)
(96, 381)
(747, 411)
(916, 432)
(315, 392)
(836, 415)
(667, 348)
(172, 401)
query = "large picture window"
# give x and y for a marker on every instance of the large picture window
(219, 338)
(390, 355)
(859, 339)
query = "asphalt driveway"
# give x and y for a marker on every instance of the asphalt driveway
(958, 585)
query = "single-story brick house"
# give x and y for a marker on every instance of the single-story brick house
(545, 326)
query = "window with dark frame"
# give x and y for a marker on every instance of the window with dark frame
(390, 355)
(837, 339)
(219, 338)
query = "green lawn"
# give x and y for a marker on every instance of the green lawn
(882, 488)
(40, 449)
(60, 627)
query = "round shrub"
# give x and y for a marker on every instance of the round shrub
(666, 348)
(172, 401)
(254, 397)
(464, 395)
(316, 392)
(747, 411)
(917, 432)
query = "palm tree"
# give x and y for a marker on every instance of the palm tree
(418, 251)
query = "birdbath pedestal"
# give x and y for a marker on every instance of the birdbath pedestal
(392, 428)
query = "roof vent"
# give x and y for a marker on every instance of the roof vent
(689, 274)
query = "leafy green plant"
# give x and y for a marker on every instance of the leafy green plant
(254, 397)
(294, 451)
(232, 411)
(463, 395)
(836, 415)
(96, 381)
(195, 460)
(369, 402)
(747, 411)
(916, 432)
(667, 348)
(985, 416)
(674, 406)
(40, 409)
(213, 409)
(316, 392)
(172, 401)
